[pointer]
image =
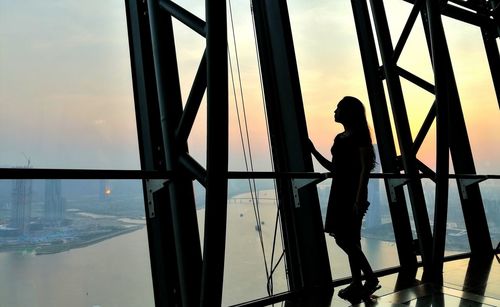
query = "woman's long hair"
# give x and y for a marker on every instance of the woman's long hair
(355, 119)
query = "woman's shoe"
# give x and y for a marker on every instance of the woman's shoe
(370, 286)
(351, 291)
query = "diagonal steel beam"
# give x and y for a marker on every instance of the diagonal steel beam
(384, 136)
(184, 16)
(193, 102)
(407, 29)
(404, 134)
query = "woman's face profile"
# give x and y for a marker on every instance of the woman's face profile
(337, 114)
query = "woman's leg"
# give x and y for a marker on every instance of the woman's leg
(358, 263)
(353, 256)
(372, 282)
(355, 267)
(363, 262)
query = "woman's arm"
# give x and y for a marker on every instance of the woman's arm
(321, 159)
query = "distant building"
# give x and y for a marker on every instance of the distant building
(21, 205)
(54, 206)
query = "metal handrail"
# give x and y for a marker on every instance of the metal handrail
(51, 173)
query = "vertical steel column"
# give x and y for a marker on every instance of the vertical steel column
(442, 69)
(404, 134)
(478, 273)
(385, 139)
(461, 153)
(217, 154)
(180, 188)
(160, 236)
(171, 213)
(304, 239)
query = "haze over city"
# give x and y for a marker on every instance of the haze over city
(67, 98)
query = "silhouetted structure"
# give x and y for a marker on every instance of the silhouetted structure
(190, 277)
(21, 205)
(54, 206)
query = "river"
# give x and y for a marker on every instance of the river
(116, 272)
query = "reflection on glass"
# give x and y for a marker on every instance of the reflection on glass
(73, 243)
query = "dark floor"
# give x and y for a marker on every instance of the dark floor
(466, 283)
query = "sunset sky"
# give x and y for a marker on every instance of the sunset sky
(66, 90)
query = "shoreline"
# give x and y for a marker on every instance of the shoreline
(46, 250)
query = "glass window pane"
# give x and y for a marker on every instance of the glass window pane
(491, 200)
(65, 85)
(457, 241)
(73, 243)
(253, 243)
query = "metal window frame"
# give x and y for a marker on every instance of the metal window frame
(446, 106)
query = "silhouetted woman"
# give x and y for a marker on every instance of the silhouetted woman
(352, 160)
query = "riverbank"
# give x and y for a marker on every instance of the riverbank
(80, 229)
(58, 248)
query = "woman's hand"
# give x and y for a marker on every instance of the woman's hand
(322, 160)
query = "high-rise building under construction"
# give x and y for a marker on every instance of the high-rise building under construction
(54, 203)
(21, 205)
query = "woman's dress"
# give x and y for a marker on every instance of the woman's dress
(340, 220)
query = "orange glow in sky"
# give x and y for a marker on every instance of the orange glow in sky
(66, 87)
